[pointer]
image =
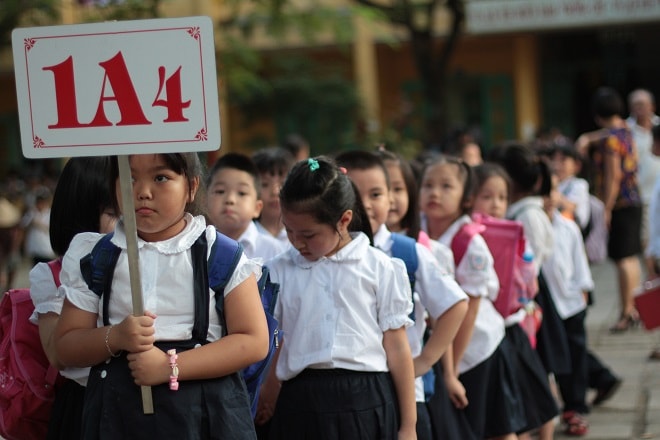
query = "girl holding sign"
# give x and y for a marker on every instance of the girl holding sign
(126, 351)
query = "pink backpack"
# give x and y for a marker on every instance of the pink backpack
(27, 380)
(506, 242)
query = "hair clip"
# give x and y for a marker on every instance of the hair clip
(343, 170)
(313, 164)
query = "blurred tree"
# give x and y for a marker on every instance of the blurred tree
(314, 18)
(25, 13)
(15, 13)
(288, 88)
(431, 59)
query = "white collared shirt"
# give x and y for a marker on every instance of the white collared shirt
(281, 235)
(258, 245)
(333, 311)
(538, 229)
(45, 297)
(436, 291)
(166, 277)
(566, 271)
(476, 275)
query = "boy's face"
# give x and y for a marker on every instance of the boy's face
(270, 195)
(564, 166)
(232, 201)
(399, 194)
(372, 186)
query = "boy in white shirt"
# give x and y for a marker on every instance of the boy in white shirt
(273, 164)
(233, 202)
(568, 278)
(573, 196)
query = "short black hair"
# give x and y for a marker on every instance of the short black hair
(362, 160)
(606, 103)
(276, 161)
(236, 161)
(294, 143)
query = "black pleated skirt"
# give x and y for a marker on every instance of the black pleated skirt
(200, 409)
(495, 405)
(336, 404)
(66, 414)
(539, 403)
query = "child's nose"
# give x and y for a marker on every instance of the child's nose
(142, 191)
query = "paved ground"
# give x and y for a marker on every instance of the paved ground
(634, 411)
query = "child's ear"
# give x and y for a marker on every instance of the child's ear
(345, 220)
(194, 186)
(258, 206)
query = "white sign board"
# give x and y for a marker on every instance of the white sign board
(491, 16)
(115, 88)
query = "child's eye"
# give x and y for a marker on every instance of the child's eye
(242, 193)
(308, 236)
(219, 191)
(161, 178)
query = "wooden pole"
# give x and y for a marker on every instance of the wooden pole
(128, 211)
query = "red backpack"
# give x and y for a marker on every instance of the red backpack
(506, 242)
(27, 380)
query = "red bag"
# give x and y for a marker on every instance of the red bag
(506, 242)
(647, 303)
(27, 380)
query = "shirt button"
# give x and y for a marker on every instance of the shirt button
(198, 345)
(108, 360)
(103, 374)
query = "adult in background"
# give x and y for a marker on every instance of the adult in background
(612, 151)
(642, 119)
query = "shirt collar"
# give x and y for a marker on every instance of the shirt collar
(181, 242)
(250, 236)
(382, 238)
(355, 250)
(453, 229)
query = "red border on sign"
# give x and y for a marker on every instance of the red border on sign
(193, 31)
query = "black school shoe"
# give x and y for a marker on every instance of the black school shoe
(605, 392)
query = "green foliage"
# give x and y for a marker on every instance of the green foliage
(25, 13)
(301, 97)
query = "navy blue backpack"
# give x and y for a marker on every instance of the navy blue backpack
(98, 269)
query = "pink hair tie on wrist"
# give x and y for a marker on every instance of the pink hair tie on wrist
(174, 383)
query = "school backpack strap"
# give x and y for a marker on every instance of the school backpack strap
(404, 248)
(98, 268)
(223, 259)
(462, 238)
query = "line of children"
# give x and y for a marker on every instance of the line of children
(492, 197)
(445, 395)
(435, 291)
(234, 202)
(129, 350)
(273, 164)
(482, 356)
(345, 365)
